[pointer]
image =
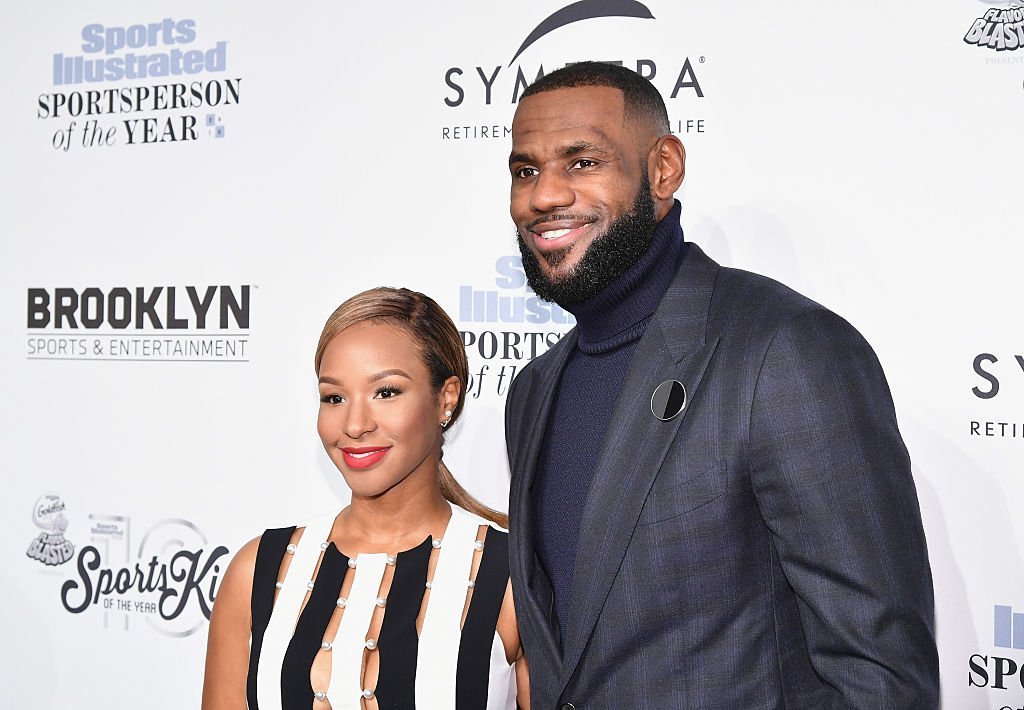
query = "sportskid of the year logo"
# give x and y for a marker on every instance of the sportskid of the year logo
(50, 515)
(170, 579)
(1001, 29)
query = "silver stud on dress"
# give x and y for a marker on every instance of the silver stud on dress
(436, 544)
(326, 645)
(309, 584)
(320, 695)
(279, 585)
(471, 584)
(381, 601)
(367, 693)
(371, 644)
(479, 544)
(430, 585)
(390, 559)
(291, 549)
(323, 545)
(342, 602)
(352, 563)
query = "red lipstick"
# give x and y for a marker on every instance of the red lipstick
(360, 457)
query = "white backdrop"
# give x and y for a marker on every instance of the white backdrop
(864, 154)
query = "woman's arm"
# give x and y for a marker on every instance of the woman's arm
(227, 647)
(508, 631)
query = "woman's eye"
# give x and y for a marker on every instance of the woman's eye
(332, 399)
(387, 392)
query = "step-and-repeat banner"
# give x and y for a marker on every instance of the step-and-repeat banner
(188, 191)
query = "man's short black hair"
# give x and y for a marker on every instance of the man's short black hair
(641, 99)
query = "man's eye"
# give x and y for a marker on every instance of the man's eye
(583, 163)
(332, 399)
(524, 173)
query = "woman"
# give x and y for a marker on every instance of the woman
(403, 599)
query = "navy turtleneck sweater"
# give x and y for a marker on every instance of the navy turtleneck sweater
(609, 326)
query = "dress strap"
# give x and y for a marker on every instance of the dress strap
(441, 633)
(293, 590)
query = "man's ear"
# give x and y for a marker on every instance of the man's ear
(666, 167)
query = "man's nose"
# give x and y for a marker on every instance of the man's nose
(551, 191)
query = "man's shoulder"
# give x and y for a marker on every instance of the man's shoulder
(751, 309)
(747, 294)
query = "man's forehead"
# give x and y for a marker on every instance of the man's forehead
(579, 105)
(593, 113)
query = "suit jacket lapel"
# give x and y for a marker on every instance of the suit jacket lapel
(674, 346)
(536, 598)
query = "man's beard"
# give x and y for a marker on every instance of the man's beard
(607, 258)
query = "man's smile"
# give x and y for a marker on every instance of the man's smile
(549, 236)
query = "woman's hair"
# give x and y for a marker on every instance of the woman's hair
(440, 347)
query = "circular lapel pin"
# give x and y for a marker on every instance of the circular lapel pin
(668, 399)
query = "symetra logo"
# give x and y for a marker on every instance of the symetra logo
(476, 85)
(584, 10)
(156, 323)
(1001, 29)
(998, 375)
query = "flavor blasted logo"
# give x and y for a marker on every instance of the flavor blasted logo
(170, 579)
(1001, 29)
(161, 111)
(488, 83)
(50, 548)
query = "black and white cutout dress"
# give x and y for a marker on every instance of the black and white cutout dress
(442, 667)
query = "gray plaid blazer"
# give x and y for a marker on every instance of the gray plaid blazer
(763, 549)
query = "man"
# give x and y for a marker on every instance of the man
(711, 503)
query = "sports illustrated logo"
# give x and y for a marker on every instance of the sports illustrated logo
(1001, 29)
(140, 323)
(477, 85)
(170, 579)
(51, 548)
(504, 324)
(182, 97)
(999, 672)
(994, 375)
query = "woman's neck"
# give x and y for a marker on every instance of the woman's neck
(394, 521)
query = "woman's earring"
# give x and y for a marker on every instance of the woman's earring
(446, 422)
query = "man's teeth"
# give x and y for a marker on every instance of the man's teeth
(555, 233)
